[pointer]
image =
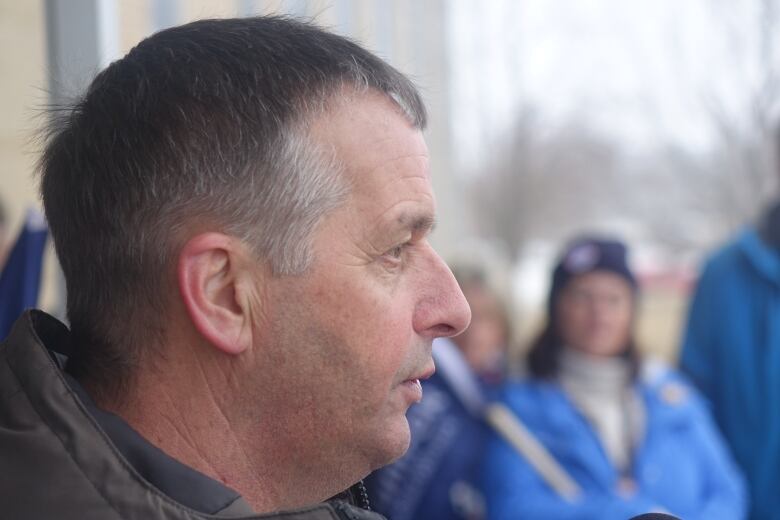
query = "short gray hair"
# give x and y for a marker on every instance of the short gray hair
(203, 125)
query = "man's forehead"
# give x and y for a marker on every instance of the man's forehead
(385, 162)
(358, 126)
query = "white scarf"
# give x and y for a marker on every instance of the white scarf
(601, 389)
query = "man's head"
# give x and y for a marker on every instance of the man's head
(255, 194)
(201, 125)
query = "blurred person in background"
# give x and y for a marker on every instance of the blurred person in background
(20, 272)
(632, 436)
(438, 478)
(731, 351)
(485, 342)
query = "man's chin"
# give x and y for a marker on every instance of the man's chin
(393, 443)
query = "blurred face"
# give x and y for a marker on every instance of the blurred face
(351, 338)
(484, 342)
(595, 313)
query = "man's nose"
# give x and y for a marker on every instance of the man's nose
(442, 310)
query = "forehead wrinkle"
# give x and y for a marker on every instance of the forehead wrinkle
(386, 163)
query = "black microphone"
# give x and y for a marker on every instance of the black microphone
(654, 516)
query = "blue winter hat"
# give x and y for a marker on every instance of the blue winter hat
(585, 255)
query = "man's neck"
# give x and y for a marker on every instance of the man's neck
(187, 422)
(210, 413)
(180, 482)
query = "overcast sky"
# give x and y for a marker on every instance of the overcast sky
(642, 72)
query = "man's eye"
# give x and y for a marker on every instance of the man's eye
(396, 252)
(395, 257)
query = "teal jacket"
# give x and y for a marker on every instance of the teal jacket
(681, 466)
(732, 353)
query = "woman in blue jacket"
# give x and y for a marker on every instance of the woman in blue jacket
(633, 438)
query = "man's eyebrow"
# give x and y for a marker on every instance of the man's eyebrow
(418, 223)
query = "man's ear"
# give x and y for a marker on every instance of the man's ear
(212, 272)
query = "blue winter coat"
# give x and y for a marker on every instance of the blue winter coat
(732, 353)
(681, 466)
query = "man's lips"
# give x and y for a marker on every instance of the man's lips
(413, 386)
(423, 375)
